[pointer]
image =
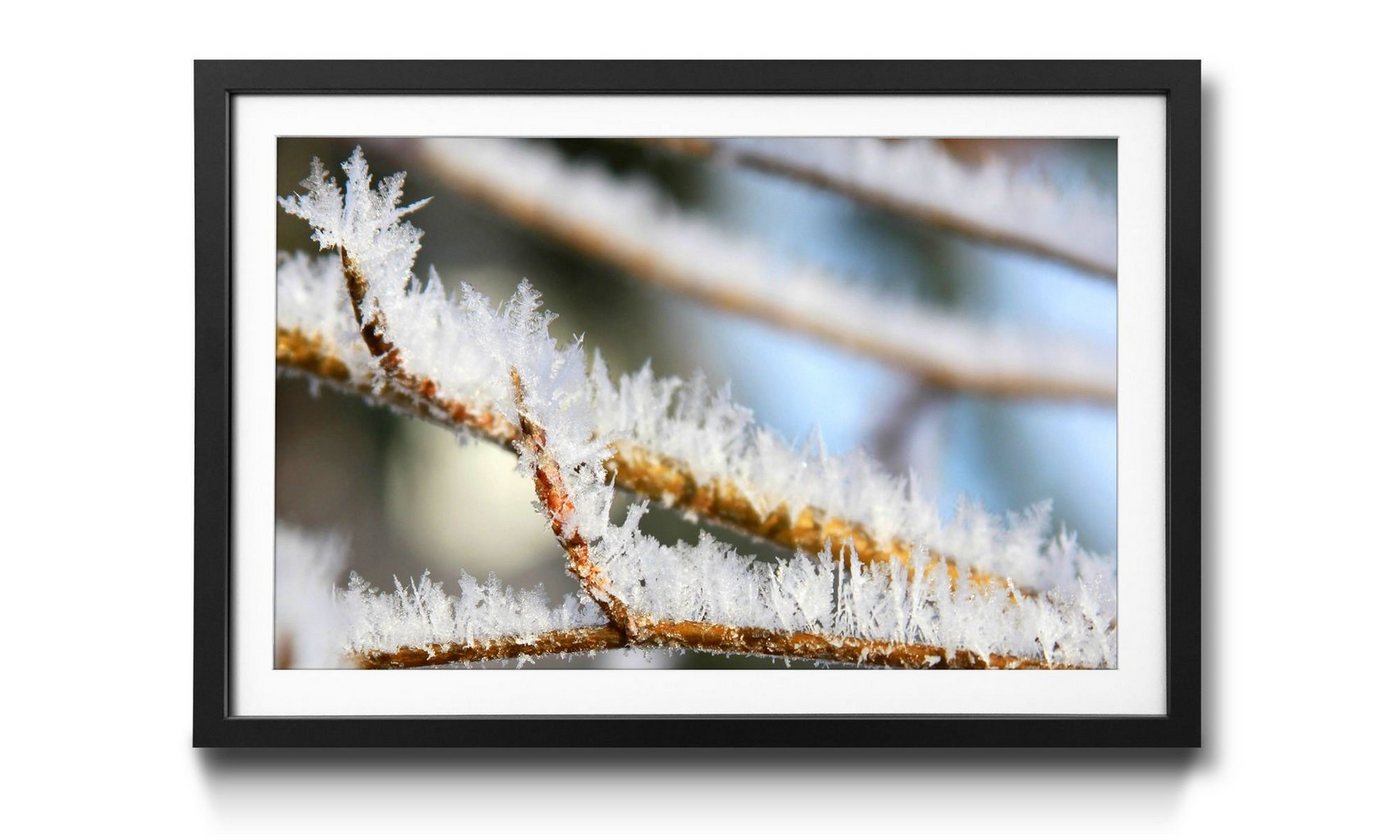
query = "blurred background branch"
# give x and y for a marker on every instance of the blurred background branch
(630, 225)
(967, 186)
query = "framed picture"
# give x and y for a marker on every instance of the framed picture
(693, 403)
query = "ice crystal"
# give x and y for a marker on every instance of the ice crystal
(321, 623)
(422, 613)
(836, 595)
(365, 221)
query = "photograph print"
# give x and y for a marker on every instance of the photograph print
(696, 403)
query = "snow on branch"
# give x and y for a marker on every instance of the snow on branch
(703, 453)
(680, 443)
(629, 224)
(323, 626)
(486, 621)
(702, 597)
(990, 199)
(497, 372)
(555, 486)
(707, 596)
(318, 336)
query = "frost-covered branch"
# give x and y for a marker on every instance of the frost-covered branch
(796, 498)
(990, 199)
(552, 490)
(633, 227)
(707, 597)
(320, 625)
(311, 356)
(399, 340)
(585, 640)
(420, 624)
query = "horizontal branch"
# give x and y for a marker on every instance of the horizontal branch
(862, 169)
(718, 638)
(697, 636)
(622, 224)
(553, 643)
(418, 624)
(664, 480)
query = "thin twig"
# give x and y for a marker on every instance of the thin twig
(701, 636)
(554, 498)
(418, 394)
(552, 643)
(719, 638)
(375, 328)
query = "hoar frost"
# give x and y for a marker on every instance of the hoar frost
(470, 348)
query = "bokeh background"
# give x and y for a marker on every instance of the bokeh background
(409, 498)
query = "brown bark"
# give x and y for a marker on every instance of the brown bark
(554, 498)
(719, 638)
(695, 635)
(551, 643)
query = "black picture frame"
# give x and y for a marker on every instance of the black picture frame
(218, 83)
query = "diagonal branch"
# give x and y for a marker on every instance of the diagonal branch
(664, 480)
(312, 357)
(924, 181)
(408, 390)
(559, 506)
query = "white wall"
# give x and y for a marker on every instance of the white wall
(1301, 220)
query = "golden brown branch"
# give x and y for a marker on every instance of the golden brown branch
(415, 395)
(552, 643)
(634, 468)
(719, 638)
(807, 529)
(374, 329)
(701, 636)
(554, 498)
